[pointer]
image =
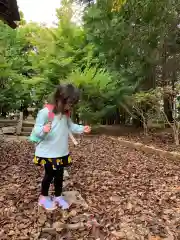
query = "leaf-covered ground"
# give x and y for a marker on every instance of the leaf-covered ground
(159, 138)
(163, 139)
(130, 195)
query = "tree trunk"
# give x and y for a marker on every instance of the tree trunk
(150, 80)
(117, 119)
(168, 109)
(122, 116)
(137, 122)
(165, 82)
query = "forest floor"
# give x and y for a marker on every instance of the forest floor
(158, 137)
(129, 195)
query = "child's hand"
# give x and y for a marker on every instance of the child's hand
(47, 128)
(87, 129)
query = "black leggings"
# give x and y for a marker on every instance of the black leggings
(50, 175)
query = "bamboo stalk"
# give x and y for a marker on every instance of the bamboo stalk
(73, 139)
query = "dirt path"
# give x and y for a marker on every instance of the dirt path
(131, 195)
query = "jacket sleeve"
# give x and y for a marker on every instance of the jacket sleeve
(40, 122)
(75, 128)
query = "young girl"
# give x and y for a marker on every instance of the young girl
(52, 151)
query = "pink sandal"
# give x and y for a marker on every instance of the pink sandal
(61, 202)
(47, 203)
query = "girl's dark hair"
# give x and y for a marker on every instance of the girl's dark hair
(65, 94)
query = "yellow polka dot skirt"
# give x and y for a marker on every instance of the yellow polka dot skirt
(56, 162)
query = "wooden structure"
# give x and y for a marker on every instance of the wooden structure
(9, 12)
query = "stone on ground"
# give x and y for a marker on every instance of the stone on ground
(74, 197)
(66, 174)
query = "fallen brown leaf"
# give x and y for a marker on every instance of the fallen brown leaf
(116, 191)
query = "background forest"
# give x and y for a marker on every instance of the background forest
(124, 56)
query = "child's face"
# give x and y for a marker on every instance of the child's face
(67, 106)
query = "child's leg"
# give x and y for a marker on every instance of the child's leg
(58, 184)
(48, 177)
(58, 181)
(44, 200)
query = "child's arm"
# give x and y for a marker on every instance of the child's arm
(75, 128)
(40, 122)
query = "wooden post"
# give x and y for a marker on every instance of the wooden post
(20, 124)
(30, 117)
(1, 136)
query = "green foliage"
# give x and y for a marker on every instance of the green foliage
(123, 50)
(95, 98)
(101, 93)
(145, 100)
(132, 39)
(14, 68)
